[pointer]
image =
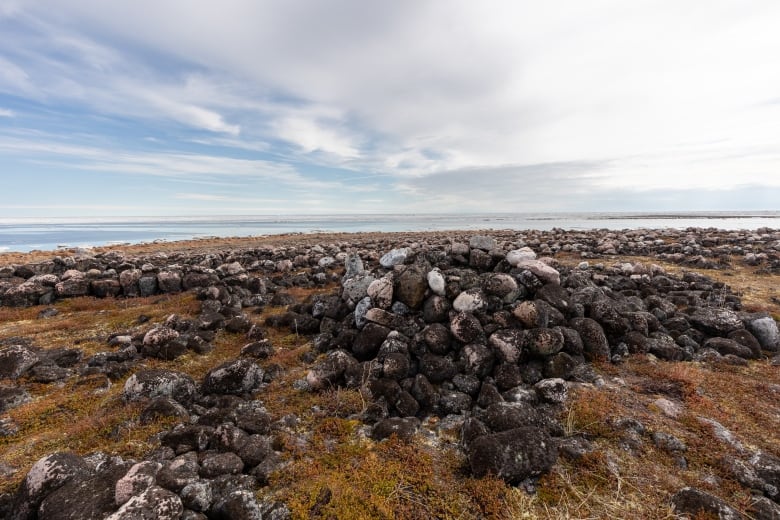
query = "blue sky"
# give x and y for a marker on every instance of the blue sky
(295, 107)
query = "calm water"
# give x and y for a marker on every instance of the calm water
(25, 234)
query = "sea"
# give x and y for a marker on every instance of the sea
(27, 234)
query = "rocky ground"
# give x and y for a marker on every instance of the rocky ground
(500, 374)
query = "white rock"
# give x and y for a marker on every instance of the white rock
(516, 256)
(394, 257)
(437, 283)
(542, 271)
(470, 301)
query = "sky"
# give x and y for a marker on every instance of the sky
(173, 107)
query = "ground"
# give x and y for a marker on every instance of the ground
(335, 471)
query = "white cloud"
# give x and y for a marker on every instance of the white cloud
(647, 95)
(4, 112)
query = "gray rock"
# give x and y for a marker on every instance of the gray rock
(240, 376)
(151, 383)
(482, 242)
(155, 503)
(766, 332)
(329, 371)
(508, 344)
(11, 397)
(404, 428)
(715, 320)
(238, 505)
(394, 257)
(470, 300)
(541, 270)
(197, 495)
(138, 479)
(516, 256)
(552, 391)
(215, 464)
(361, 309)
(543, 342)
(594, 342)
(381, 292)
(692, 501)
(354, 266)
(15, 360)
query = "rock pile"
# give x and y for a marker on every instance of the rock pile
(115, 274)
(490, 334)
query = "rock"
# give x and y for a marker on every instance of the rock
(237, 505)
(766, 332)
(516, 256)
(693, 501)
(262, 349)
(138, 479)
(410, 286)
(355, 288)
(151, 383)
(381, 292)
(215, 464)
(552, 390)
(169, 281)
(715, 321)
(15, 360)
(761, 508)
(667, 407)
(767, 467)
(368, 341)
(197, 495)
(73, 283)
(162, 407)
(157, 339)
(725, 346)
(330, 370)
(11, 397)
(394, 257)
(482, 242)
(544, 272)
(155, 503)
(354, 266)
(238, 377)
(90, 497)
(513, 455)
(46, 476)
(403, 427)
(508, 344)
(436, 282)
(668, 442)
(465, 327)
(543, 342)
(177, 473)
(469, 301)
(594, 342)
(532, 314)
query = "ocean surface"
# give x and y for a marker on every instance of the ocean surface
(26, 234)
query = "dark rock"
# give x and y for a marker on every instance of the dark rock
(410, 286)
(162, 407)
(594, 342)
(477, 359)
(437, 368)
(453, 402)
(252, 417)
(368, 341)
(237, 505)
(46, 476)
(715, 321)
(544, 342)
(693, 501)
(403, 427)
(197, 496)
(663, 346)
(513, 455)
(507, 375)
(11, 397)
(88, 498)
(743, 337)
(436, 309)
(761, 508)
(150, 383)
(179, 472)
(725, 346)
(466, 328)
(560, 365)
(262, 349)
(507, 344)
(214, 464)
(437, 338)
(155, 503)
(15, 360)
(330, 370)
(237, 377)
(187, 438)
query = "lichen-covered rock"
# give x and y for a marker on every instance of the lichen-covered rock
(12, 396)
(155, 503)
(237, 377)
(694, 501)
(512, 455)
(150, 383)
(715, 320)
(594, 342)
(15, 360)
(394, 257)
(138, 479)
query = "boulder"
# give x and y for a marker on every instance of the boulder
(151, 383)
(15, 360)
(513, 455)
(238, 377)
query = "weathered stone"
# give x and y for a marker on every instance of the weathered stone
(15, 361)
(693, 501)
(150, 383)
(236, 377)
(513, 455)
(410, 286)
